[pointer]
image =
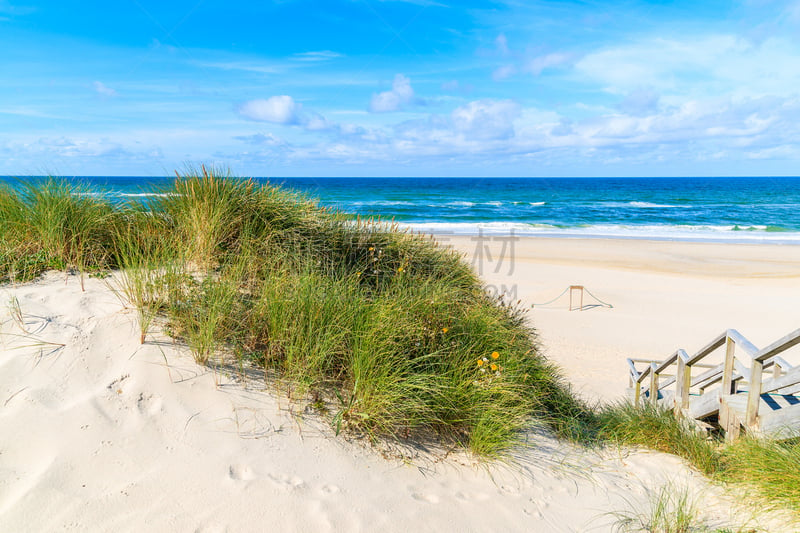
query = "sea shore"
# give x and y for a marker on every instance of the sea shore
(103, 433)
(665, 295)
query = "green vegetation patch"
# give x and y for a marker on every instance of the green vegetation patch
(391, 334)
(766, 470)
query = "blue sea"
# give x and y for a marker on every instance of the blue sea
(745, 210)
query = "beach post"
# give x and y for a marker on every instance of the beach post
(653, 384)
(683, 380)
(575, 288)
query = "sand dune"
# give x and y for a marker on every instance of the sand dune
(101, 433)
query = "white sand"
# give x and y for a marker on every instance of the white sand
(104, 434)
(665, 296)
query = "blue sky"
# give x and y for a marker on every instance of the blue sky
(401, 88)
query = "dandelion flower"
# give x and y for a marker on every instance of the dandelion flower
(480, 362)
(371, 248)
(400, 270)
(493, 367)
(495, 355)
(444, 330)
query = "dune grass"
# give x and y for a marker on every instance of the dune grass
(768, 472)
(669, 509)
(393, 333)
(658, 429)
(52, 224)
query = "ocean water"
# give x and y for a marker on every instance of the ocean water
(749, 210)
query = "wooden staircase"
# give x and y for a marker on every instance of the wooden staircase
(735, 395)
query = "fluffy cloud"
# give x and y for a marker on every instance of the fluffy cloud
(276, 109)
(401, 95)
(486, 119)
(699, 67)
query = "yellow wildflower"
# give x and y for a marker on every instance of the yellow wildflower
(444, 330)
(480, 362)
(400, 269)
(495, 355)
(371, 248)
(493, 367)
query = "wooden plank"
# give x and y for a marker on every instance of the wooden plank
(653, 384)
(705, 405)
(742, 342)
(792, 377)
(727, 371)
(708, 348)
(779, 346)
(742, 372)
(778, 360)
(731, 413)
(663, 384)
(713, 374)
(684, 381)
(754, 395)
(781, 424)
(633, 370)
(791, 390)
(671, 360)
(642, 360)
(644, 374)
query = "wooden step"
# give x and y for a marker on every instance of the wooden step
(704, 406)
(778, 414)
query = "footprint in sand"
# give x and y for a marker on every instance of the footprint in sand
(509, 490)
(428, 498)
(471, 496)
(287, 482)
(330, 489)
(240, 473)
(148, 405)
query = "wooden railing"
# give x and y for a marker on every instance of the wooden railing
(671, 381)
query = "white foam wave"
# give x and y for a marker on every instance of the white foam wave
(642, 205)
(705, 233)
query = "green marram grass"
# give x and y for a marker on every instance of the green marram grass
(393, 333)
(768, 472)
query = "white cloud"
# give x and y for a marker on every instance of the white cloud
(501, 43)
(640, 102)
(103, 90)
(320, 55)
(538, 64)
(698, 67)
(277, 109)
(401, 95)
(503, 72)
(261, 139)
(486, 119)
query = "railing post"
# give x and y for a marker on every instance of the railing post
(754, 395)
(777, 371)
(683, 381)
(637, 392)
(653, 384)
(728, 386)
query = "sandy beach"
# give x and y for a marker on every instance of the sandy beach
(665, 295)
(104, 434)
